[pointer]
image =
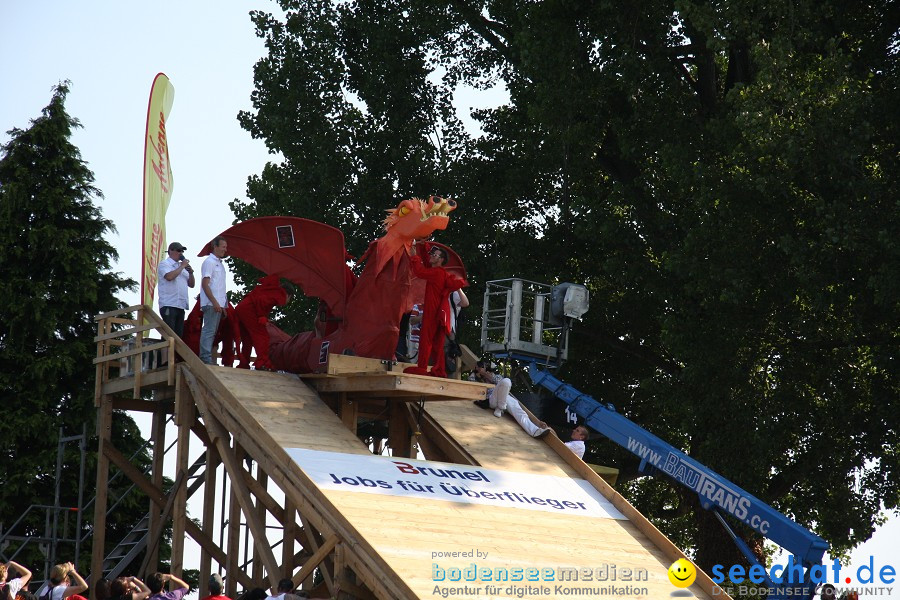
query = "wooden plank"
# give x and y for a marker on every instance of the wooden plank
(394, 384)
(340, 364)
(141, 348)
(121, 384)
(130, 331)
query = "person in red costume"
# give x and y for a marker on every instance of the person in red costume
(435, 317)
(252, 316)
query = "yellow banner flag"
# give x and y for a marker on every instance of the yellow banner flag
(157, 183)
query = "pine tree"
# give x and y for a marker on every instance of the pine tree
(55, 276)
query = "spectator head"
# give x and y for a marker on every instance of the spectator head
(59, 573)
(285, 585)
(102, 589)
(119, 587)
(255, 594)
(155, 583)
(581, 433)
(3, 571)
(216, 585)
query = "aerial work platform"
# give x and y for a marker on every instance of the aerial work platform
(532, 518)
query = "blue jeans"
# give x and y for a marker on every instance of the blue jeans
(211, 320)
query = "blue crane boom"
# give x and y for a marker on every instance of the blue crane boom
(715, 492)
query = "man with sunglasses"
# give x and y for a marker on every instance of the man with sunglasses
(175, 277)
(435, 318)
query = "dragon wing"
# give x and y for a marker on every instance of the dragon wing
(308, 253)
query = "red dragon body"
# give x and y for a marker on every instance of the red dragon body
(312, 255)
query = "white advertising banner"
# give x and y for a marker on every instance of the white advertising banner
(453, 483)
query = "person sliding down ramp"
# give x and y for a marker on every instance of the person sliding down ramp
(252, 317)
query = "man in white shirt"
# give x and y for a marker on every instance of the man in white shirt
(175, 277)
(212, 296)
(579, 435)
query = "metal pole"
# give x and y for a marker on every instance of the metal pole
(538, 335)
(56, 492)
(515, 314)
(82, 445)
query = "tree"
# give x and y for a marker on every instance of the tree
(715, 173)
(54, 278)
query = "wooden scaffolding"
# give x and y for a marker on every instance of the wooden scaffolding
(347, 544)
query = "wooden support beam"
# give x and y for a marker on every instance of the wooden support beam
(291, 534)
(157, 496)
(184, 417)
(234, 527)
(209, 513)
(158, 435)
(261, 481)
(104, 436)
(400, 385)
(130, 404)
(398, 431)
(315, 507)
(309, 566)
(348, 412)
(100, 372)
(435, 435)
(242, 493)
(154, 535)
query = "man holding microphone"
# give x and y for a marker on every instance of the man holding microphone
(175, 277)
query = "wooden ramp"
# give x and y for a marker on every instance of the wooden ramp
(401, 546)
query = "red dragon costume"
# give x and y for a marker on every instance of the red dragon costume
(312, 255)
(439, 283)
(252, 316)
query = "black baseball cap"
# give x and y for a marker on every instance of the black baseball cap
(177, 247)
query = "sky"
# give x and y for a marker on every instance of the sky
(111, 51)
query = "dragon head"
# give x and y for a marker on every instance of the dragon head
(415, 219)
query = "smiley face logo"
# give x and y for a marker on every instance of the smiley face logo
(682, 573)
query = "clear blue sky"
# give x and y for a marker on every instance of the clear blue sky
(111, 51)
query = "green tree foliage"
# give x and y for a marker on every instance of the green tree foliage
(54, 278)
(723, 176)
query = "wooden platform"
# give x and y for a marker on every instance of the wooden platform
(372, 378)
(284, 411)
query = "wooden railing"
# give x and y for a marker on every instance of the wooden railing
(120, 342)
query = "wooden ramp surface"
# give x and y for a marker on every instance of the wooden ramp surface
(407, 533)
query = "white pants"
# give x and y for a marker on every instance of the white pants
(499, 393)
(502, 399)
(515, 409)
